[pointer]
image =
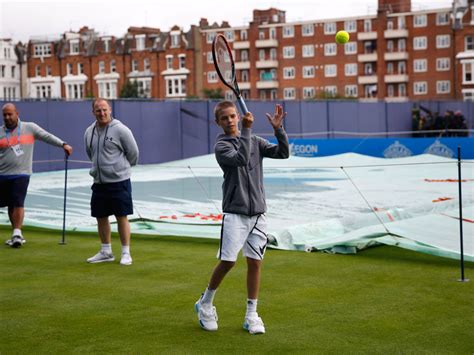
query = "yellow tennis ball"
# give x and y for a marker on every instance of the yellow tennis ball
(342, 37)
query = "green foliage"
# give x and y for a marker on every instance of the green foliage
(213, 93)
(129, 90)
(383, 300)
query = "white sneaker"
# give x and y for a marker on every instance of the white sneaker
(207, 316)
(16, 241)
(126, 259)
(101, 257)
(254, 324)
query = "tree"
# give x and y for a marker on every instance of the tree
(213, 93)
(129, 90)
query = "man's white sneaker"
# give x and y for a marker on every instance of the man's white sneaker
(101, 257)
(207, 316)
(254, 324)
(126, 259)
(16, 241)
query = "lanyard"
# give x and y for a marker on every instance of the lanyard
(7, 132)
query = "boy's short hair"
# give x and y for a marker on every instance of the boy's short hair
(222, 106)
(97, 100)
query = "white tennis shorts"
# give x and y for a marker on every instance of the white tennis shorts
(239, 232)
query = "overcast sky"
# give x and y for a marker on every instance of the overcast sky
(21, 20)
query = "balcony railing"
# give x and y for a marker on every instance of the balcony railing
(399, 33)
(261, 64)
(266, 43)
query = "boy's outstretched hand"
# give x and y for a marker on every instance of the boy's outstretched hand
(277, 119)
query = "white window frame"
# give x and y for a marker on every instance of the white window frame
(367, 25)
(467, 72)
(443, 41)
(443, 64)
(307, 30)
(331, 90)
(140, 42)
(107, 89)
(210, 36)
(350, 91)
(307, 50)
(309, 92)
(350, 26)
(288, 52)
(442, 18)
(289, 72)
(42, 50)
(420, 88)
(176, 85)
(420, 20)
(330, 49)
(350, 48)
(175, 39)
(169, 61)
(289, 93)
(443, 87)
(74, 47)
(420, 65)
(308, 71)
(101, 67)
(350, 69)
(134, 65)
(212, 77)
(420, 43)
(288, 31)
(329, 28)
(330, 70)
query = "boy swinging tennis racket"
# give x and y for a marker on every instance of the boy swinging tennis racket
(240, 155)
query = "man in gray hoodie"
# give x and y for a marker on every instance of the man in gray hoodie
(113, 151)
(240, 157)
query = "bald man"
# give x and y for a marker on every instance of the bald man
(17, 139)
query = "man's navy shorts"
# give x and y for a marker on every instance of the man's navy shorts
(13, 191)
(114, 198)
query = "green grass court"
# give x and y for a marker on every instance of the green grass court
(384, 300)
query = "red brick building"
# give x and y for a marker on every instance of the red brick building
(394, 55)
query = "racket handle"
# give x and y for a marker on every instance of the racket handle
(242, 105)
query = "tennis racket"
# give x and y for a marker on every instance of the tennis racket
(224, 63)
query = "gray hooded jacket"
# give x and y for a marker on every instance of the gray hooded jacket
(240, 158)
(112, 150)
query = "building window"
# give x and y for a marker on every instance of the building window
(443, 64)
(350, 26)
(420, 20)
(43, 91)
(243, 35)
(3, 70)
(308, 71)
(330, 70)
(108, 89)
(420, 43)
(176, 86)
(469, 43)
(244, 56)
(331, 90)
(169, 61)
(420, 88)
(390, 90)
(69, 69)
(289, 73)
(244, 76)
(273, 95)
(350, 48)
(49, 71)
(443, 87)
(210, 37)
(368, 69)
(101, 67)
(401, 23)
(140, 42)
(229, 35)
(390, 68)
(134, 65)
(261, 35)
(402, 45)
(329, 28)
(402, 90)
(468, 95)
(367, 25)
(74, 46)
(308, 50)
(288, 31)
(350, 90)
(212, 77)
(330, 49)
(467, 72)
(390, 46)
(289, 93)
(144, 88)
(182, 61)
(113, 66)
(80, 68)
(273, 33)
(13, 71)
(74, 91)
(389, 25)
(209, 57)
(146, 64)
(350, 69)
(307, 30)
(442, 18)
(443, 41)
(308, 92)
(420, 65)
(289, 52)
(106, 43)
(42, 50)
(273, 54)
(402, 67)
(261, 54)
(175, 40)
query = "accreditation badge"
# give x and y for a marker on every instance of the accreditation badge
(18, 150)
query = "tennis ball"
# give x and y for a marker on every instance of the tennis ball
(342, 37)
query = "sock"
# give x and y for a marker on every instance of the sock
(107, 248)
(251, 307)
(17, 231)
(208, 297)
(125, 249)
